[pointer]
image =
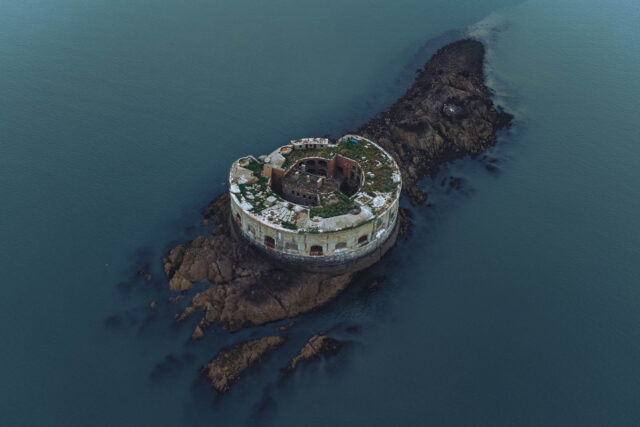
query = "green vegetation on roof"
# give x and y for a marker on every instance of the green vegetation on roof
(375, 162)
(255, 167)
(377, 168)
(337, 205)
(289, 225)
(256, 193)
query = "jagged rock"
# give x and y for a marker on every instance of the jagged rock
(285, 327)
(179, 283)
(445, 115)
(318, 345)
(227, 367)
(198, 333)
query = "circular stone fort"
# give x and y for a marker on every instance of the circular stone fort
(317, 204)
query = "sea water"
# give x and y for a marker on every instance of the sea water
(514, 302)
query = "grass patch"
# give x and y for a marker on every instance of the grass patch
(375, 162)
(289, 225)
(341, 205)
(255, 167)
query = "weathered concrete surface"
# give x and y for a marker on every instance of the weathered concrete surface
(445, 115)
(308, 239)
(227, 367)
(372, 255)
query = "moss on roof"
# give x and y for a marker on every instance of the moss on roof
(379, 172)
(375, 164)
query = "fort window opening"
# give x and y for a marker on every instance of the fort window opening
(316, 250)
(363, 240)
(269, 242)
(341, 245)
(238, 220)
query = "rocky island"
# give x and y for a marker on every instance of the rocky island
(447, 114)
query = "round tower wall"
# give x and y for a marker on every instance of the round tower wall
(316, 248)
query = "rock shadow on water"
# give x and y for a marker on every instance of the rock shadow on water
(171, 366)
(333, 364)
(451, 184)
(264, 411)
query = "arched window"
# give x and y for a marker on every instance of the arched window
(363, 240)
(341, 245)
(316, 250)
(238, 220)
(269, 242)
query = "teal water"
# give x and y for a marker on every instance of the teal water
(515, 301)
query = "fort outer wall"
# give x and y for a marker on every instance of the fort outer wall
(342, 251)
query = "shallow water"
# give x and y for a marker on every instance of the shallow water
(514, 302)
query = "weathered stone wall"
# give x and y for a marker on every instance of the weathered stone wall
(336, 247)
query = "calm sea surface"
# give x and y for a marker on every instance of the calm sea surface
(516, 301)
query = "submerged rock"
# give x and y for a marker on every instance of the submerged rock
(229, 365)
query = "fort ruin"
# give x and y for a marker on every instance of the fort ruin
(318, 204)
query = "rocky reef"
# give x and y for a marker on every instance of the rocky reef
(447, 114)
(318, 345)
(227, 367)
(247, 289)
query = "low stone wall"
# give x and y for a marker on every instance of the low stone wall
(370, 254)
(334, 247)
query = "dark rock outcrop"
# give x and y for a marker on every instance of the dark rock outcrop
(447, 114)
(227, 367)
(247, 289)
(318, 345)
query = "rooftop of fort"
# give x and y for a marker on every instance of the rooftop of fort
(317, 185)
